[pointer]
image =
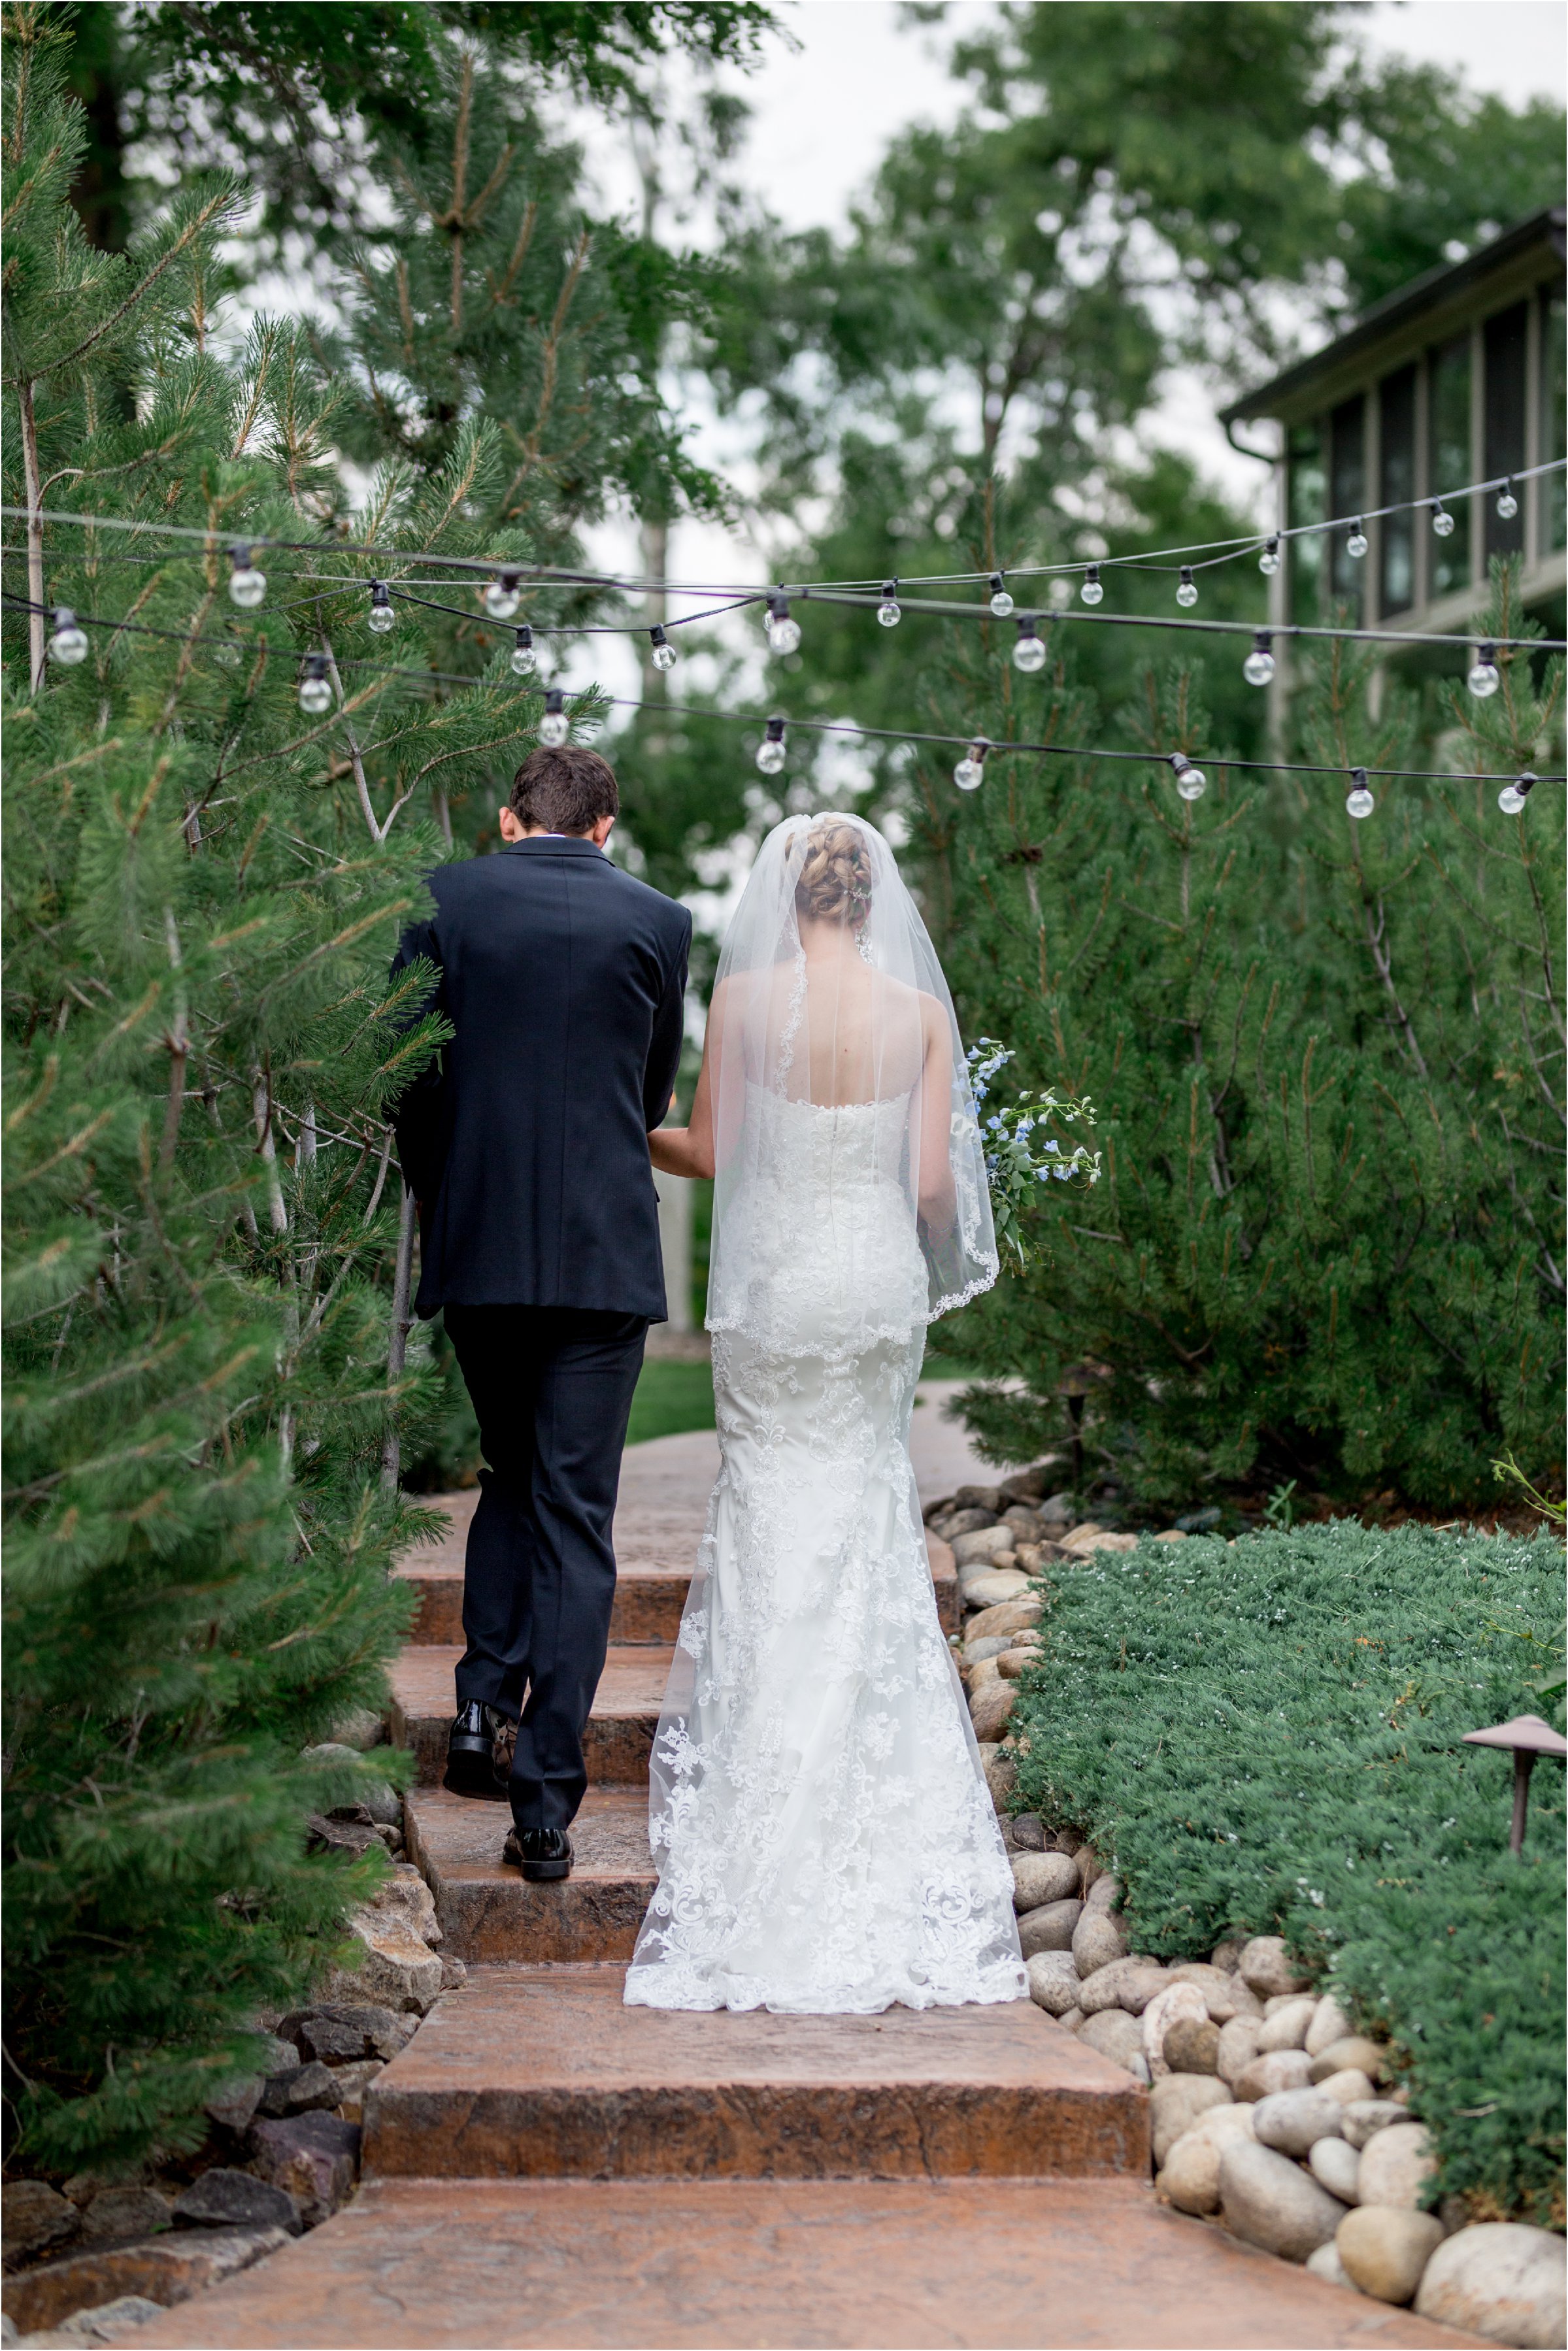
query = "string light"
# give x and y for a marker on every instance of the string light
(1513, 797)
(970, 772)
(1356, 545)
(663, 651)
(1001, 602)
(315, 690)
(247, 586)
(523, 654)
(1258, 666)
(502, 595)
(1483, 679)
(555, 725)
(783, 633)
(890, 612)
(1442, 520)
(1359, 802)
(770, 750)
(68, 643)
(1507, 503)
(1191, 782)
(1092, 591)
(1028, 653)
(383, 617)
(1186, 590)
(1268, 561)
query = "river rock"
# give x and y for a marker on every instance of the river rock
(1050, 1928)
(949, 1525)
(222, 2199)
(1090, 1872)
(1363, 2117)
(1227, 1955)
(1071, 2020)
(998, 1584)
(1278, 2069)
(1271, 2202)
(1330, 2024)
(1052, 1982)
(1349, 2087)
(1016, 1660)
(1085, 1546)
(1238, 2047)
(1174, 2003)
(1098, 1942)
(1325, 2263)
(1041, 1877)
(989, 1708)
(1225, 1995)
(1001, 1771)
(1397, 2165)
(1114, 2033)
(1334, 2164)
(984, 1652)
(1293, 2121)
(1286, 2027)
(1266, 1967)
(1128, 1984)
(1190, 2176)
(1192, 2048)
(979, 1546)
(1103, 1892)
(1353, 2050)
(1030, 1833)
(979, 1498)
(1010, 1616)
(1500, 2279)
(1386, 2251)
(35, 2216)
(1175, 2103)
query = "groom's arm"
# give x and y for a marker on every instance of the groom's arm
(664, 1062)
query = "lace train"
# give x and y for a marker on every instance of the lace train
(825, 1840)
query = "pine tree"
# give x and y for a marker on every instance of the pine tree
(205, 1389)
(1327, 1059)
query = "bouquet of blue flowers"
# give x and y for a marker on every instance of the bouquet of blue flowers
(1019, 1155)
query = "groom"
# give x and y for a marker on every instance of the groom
(525, 1146)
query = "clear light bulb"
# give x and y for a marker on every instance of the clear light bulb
(1001, 602)
(1093, 589)
(1359, 802)
(247, 586)
(889, 612)
(770, 751)
(502, 595)
(1513, 797)
(1258, 666)
(1442, 520)
(783, 633)
(1268, 561)
(1028, 653)
(68, 643)
(1483, 679)
(970, 772)
(383, 617)
(1187, 591)
(1356, 545)
(523, 654)
(314, 692)
(663, 651)
(1191, 782)
(554, 727)
(1507, 503)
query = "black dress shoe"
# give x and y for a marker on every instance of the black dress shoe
(540, 1854)
(477, 1754)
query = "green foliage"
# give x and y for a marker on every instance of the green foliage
(1264, 1737)
(1326, 1073)
(671, 1398)
(1017, 1164)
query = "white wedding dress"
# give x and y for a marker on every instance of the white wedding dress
(819, 1816)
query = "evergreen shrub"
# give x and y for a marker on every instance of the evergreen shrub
(1264, 1737)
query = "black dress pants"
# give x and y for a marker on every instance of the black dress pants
(552, 1388)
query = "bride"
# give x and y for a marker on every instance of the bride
(823, 1834)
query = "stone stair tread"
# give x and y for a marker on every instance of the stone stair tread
(543, 2071)
(633, 1682)
(489, 1913)
(461, 1839)
(1058, 2264)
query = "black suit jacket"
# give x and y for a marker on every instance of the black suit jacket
(564, 981)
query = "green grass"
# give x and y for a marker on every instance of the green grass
(1265, 1737)
(670, 1399)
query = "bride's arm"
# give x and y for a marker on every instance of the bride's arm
(688, 1150)
(939, 1202)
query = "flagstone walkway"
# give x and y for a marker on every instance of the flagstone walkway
(543, 2166)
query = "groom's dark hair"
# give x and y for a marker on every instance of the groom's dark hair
(565, 790)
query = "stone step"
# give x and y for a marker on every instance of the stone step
(649, 1598)
(543, 2072)
(487, 1911)
(621, 1728)
(1062, 2265)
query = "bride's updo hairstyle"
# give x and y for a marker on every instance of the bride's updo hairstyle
(835, 883)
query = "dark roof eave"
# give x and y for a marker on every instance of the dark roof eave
(1449, 277)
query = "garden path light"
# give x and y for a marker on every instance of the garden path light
(1529, 1736)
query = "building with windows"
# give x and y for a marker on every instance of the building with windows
(1457, 378)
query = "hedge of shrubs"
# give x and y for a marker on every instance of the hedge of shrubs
(1264, 1737)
